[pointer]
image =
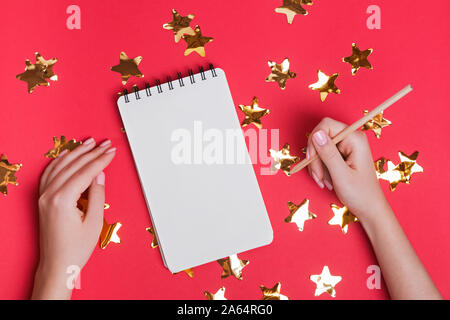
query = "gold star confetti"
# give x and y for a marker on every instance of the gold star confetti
(232, 266)
(128, 67)
(273, 293)
(82, 203)
(299, 214)
(109, 233)
(253, 113)
(358, 59)
(179, 25)
(342, 217)
(196, 42)
(280, 73)
(219, 295)
(61, 145)
(37, 74)
(293, 7)
(190, 272)
(325, 85)
(283, 160)
(154, 243)
(325, 282)
(376, 124)
(47, 66)
(7, 174)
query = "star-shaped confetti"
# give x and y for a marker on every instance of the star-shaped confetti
(342, 217)
(273, 293)
(376, 124)
(7, 174)
(109, 233)
(179, 25)
(253, 113)
(358, 59)
(325, 282)
(325, 85)
(196, 42)
(128, 67)
(61, 144)
(154, 243)
(299, 214)
(293, 7)
(37, 74)
(82, 203)
(219, 295)
(232, 266)
(283, 160)
(280, 73)
(47, 66)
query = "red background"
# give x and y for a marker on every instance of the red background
(411, 47)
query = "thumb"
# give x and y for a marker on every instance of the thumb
(94, 214)
(330, 155)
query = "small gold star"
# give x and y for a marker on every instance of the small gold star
(358, 59)
(376, 124)
(253, 113)
(232, 266)
(154, 243)
(196, 42)
(342, 217)
(61, 144)
(219, 295)
(7, 174)
(179, 25)
(273, 293)
(299, 214)
(128, 67)
(325, 85)
(280, 73)
(283, 160)
(325, 282)
(109, 234)
(293, 7)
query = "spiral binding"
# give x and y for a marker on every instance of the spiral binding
(170, 83)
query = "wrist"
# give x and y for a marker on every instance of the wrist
(377, 215)
(51, 283)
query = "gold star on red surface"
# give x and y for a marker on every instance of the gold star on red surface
(273, 293)
(253, 113)
(299, 214)
(325, 282)
(325, 85)
(37, 74)
(196, 42)
(358, 59)
(293, 7)
(376, 124)
(232, 266)
(7, 174)
(180, 25)
(280, 73)
(154, 243)
(128, 67)
(282, 160)
(61, 144)
(109, 234)
(342, 217)
(219, 295)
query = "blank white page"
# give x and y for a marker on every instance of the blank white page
(201, 212)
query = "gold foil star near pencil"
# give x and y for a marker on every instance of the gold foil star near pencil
(325, 85)
(128, 67)
(179, 25)
(109, 233)
(299, 214)
(293, 7)
(253, 113)
(7, 174)
(325, 282)
(219, 295)
(280, 73)
(37, 74)
(61, 144)
(342, 217)
(282, 160)
(273, 293)
(376, 124)
(232, 266)
(154, 243)
(196, 42)
(358, 59)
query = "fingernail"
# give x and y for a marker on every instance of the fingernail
(328, 184)
(100, 179)
(110, 150)
(88, 141)
(319, 183)
(105, 143)
(62, 153)
(320, 138)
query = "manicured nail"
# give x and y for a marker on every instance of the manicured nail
(110, 150)
(100, 179)
(328, 184)
(319, 183)
(320, 138)
(62, 153)
(88, 141)
(105, 143)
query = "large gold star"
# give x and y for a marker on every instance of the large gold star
(325, 282)
(232, 266)
(109, 233)
(299, 214)
(7, 174)
(154, 243)
(342, 217)
(253, 113)
(179, 25)
(376, 124)
(37, 74)
(325, 85)
(283, 160)
(196, 42)
(219, 295)
(61, 145)
(47, 66)
(358, 59)
(128, 67)
(293, 7)
(273, 293)
(280, 73)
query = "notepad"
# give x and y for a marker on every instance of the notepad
(196, 175)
